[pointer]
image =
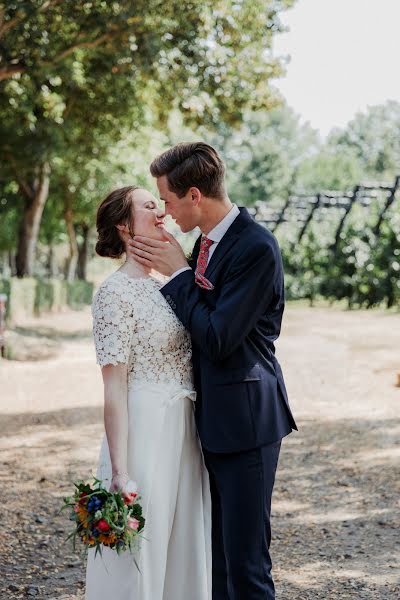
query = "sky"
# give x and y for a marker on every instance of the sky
(344, 57)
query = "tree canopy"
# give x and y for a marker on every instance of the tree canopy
(74, 77)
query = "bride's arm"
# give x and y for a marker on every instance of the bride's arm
(116, 416)
(112, 327)
(116, 425)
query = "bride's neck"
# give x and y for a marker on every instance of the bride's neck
(134, 269)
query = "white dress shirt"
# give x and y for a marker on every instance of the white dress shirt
(216, 234)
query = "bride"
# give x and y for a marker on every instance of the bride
(150, 435)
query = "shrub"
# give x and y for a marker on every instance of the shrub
(79, 293)
(29, 296)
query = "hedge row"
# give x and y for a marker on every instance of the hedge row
(32, 297)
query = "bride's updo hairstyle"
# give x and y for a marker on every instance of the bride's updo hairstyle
(114, 210)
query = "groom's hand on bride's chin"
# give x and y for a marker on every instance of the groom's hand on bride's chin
(166, 257)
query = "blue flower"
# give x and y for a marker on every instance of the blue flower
(94, 504)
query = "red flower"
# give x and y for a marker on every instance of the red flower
(131, 499)
(82, 498)
(102, 525)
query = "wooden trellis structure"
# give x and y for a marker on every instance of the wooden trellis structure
(303, 208)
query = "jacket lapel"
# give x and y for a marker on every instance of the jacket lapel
(195, 253)
(230, 237)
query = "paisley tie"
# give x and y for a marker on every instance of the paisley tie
(202, 264)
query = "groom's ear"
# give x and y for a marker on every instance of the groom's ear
(195, 195)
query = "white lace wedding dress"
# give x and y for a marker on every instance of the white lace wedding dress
(133, 324)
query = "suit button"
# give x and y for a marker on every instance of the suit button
(168, 297)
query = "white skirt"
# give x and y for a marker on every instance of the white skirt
(165, 459)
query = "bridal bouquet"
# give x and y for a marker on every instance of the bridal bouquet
(104, 518)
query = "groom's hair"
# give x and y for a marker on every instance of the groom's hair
(191, 164)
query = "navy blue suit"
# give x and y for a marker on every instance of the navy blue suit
(242, 410)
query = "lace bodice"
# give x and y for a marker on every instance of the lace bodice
(133, 324)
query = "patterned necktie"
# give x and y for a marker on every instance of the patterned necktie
(202, 264)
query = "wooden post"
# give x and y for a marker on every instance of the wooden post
(314, 207)
(281, 216)
(389, 201)
(350, 205)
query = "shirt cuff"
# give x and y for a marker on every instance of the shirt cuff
(178, 272)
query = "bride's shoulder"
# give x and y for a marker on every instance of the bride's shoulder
(112, 289)
(112, 283)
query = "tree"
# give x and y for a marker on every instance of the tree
(330, 168)
(74, 75)
(10, 206)
(374, 137)
(264, 154)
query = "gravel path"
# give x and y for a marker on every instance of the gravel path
(336, 502)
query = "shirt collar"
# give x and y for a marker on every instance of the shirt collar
(216, 234)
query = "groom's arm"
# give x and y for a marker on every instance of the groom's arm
(246, 293)
(179, 272)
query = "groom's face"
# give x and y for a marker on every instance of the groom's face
(184, 211)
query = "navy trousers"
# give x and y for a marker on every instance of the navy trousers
(241, 491)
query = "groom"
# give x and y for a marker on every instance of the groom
(230, 297)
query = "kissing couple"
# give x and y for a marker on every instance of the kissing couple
(195, 405)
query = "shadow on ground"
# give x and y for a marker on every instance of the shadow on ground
(335, 519)
(41, 331)
(69, 417)
(334, 513)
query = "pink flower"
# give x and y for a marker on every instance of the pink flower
(133, 523)
(76, 507)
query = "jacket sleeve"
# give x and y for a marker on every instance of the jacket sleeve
(247, 290)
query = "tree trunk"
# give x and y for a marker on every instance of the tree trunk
(73, 244)
(391, 294)
(35, 194)
(52, 270)
(12, 263)
(83, 252)
(4, 268)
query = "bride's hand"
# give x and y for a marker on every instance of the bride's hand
(125, 485)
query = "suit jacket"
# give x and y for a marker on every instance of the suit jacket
(241, 396)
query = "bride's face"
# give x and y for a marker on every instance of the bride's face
(148, 217)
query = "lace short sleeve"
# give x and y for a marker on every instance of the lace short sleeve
(113, 324)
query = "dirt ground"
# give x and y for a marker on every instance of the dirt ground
(336, 507)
